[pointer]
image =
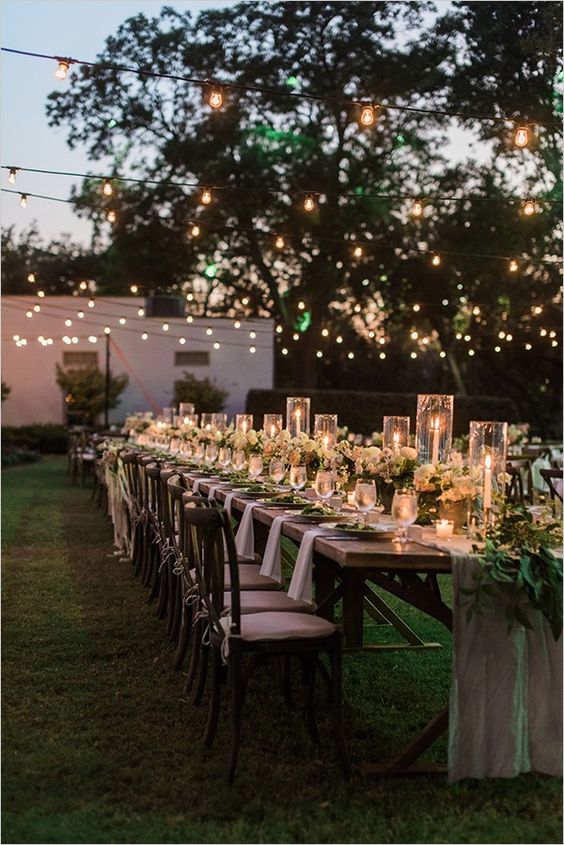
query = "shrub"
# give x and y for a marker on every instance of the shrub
(84, 390)
(15, 455)
(362, 412)
(6, 390)
(206, 395)
(41, 437)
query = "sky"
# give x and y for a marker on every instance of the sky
(60, 28)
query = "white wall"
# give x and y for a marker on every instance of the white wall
(30, 370)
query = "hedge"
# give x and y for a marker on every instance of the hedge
(362, 411)
(40, 437)
(15, 455)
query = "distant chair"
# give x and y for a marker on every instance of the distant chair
(520, 487)
(549, 476)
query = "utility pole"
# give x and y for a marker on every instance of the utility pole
(107, 383)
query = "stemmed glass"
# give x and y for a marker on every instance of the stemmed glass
(324, 484)
(210, 454)
(224, 456)
(199, 452)
(255, 466)
(404, 511)
(298, 477)
(277, 470)
(238, 460)
(365, 495)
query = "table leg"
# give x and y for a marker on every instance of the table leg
(403, 763)
(353, 608)
(324, 581)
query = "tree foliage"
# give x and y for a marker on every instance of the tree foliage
(205, 395)
(85, 390)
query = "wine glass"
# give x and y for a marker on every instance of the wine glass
(324, 484)
(210, 454)
(255, 466)
(277, 470)
(224, 456)
(298, 477)
(199, 452)
(238, 460)
(404, 511)
(364, 495)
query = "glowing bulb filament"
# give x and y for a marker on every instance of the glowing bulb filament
(279, 242)
(522, 137)
(111, 216)
(529, 208)
(357, 251)
(23, 201)
(62, 69)
(417, 208)
(513, 266)
(195, 231)
(309, 202)
(107, 189)
(12, 175)
(367, 115)
(206, 196)
(216, 98)
(436, 260)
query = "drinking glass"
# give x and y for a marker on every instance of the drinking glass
(277, 470)
(238, 460)
(224, 456)
(298, 477)
(255, 466)
(324, 484)
(199, 452)
(404, 511)
(210, 454)
(365, 495)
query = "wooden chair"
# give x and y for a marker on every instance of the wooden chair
(234, 636)
(549, 476)
(520, 487)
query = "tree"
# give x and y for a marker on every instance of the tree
(315, 287)
(84, 390)
(205, 395)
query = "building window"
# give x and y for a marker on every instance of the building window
(80, 359)
(191, 359)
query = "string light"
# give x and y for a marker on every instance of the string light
(91, 303)
(217, 345)
(436, 260)
(195, 231)
(31, 278)
(41, 294)
(107, 330)
(182, 340)
(83, 285)
(442, 354)
(68, 323)
(417, 208)
(279, 329)
(338, 339)
(122, 321)
(295, 336)
(529, 208)
(309, 202)
(140, 312)
(416, 308)
(80, 315)
(513, 266)
(62, 68)
(23, 201)
(37, 308)
(367, 115)
(252, 349)
(29, 313)
(111, 216)
(107, 188)
(144, 336)
(206, 197)
(528, 347)
(12, 175)
(165, 327)
(279, 243)
(358, 251)
(325, 332)
(521, 136)
(93, 339)
(284, 351)
(350, 355)
(382, 356)
(414, 355)
(252, 335)
(319, 353)
(216, 98)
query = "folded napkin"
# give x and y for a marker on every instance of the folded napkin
(271, 564)
(212, 491)
(301, 585)
(245, 539)
(228, 501)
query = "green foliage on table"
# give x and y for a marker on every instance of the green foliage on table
(518, 569)
(84, 390)
(205, 395)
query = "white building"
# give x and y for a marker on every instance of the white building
(152, 351)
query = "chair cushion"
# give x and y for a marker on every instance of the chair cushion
(251, 579)
(281, 626)
(261, 601)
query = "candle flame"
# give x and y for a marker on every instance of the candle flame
(435, 423)
(488, 461)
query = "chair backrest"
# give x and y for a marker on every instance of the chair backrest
(204, 527)
(521, 485)
(549, 476)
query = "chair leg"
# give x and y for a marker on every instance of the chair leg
(337, 708)
(177, 609)
(172, 584)
(308, 664)
(162, 577)
(236, 682)
(213, 713)
(183, 638)
(203, 676)
(194, 657)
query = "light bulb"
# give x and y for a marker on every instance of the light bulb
(357, 251)
(122, 321)
(107, 330)
(521, 137)
(436, 260)
(134, 288)
(144, 336)
(252, 349)
(206, 196)
(513, 266)
(279, 242)
(367, 115)
(23, 201)
(107, 189)
(31, 278)
(165, 327)
(140, 312)
(83, 285)
(529, 208)
(111, 216)
(91, 303)
(12, 175)
(80, 315)
(62, 69)
(195, 231)
(216, 98)
(309, 202)
(417, 208)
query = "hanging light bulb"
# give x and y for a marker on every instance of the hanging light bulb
(134, 288)
(279, 242)
(436, 260)
(206, 197)
(417, 208)
(513, 266)
(309, 202)
(195, 231)
(107, 189)
(62, 69)
(12, 175)
(529, 208)
(358, 251)
(111, 216)
(216, 98)
(31, 278)
(367, 115)
(23, 201)
(521, 137)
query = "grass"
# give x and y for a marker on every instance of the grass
(100, 746)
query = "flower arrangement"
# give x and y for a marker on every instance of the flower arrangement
(518, 433)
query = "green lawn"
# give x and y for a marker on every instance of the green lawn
(99, 744)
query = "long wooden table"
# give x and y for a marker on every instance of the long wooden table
(345, 570)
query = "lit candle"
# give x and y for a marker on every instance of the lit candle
(487, 481)
(396, 440)
(273, 431)
(244, 426)
(435, 440)
(444, 528)
(297, 417)
(326, 441)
